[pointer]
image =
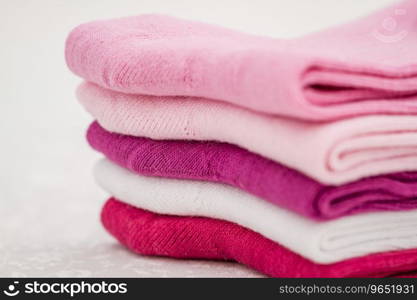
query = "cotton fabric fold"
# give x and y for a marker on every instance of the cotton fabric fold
(296, 157)
(148, 233)
(358, 68)
(321, 242)
(331, 153)
(229, 164)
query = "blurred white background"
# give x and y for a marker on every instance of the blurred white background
(49, 203)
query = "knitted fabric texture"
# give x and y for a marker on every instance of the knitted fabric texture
(148, 233)
(322, 242)
(332, 153)
(229, 164)
(353, 69)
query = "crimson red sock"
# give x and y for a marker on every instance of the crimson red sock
(149, 233)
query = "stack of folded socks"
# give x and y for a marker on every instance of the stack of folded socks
(295, 157)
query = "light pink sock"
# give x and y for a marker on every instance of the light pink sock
(364, 67)
(332, 153)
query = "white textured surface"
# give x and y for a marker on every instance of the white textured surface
(49, 204)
